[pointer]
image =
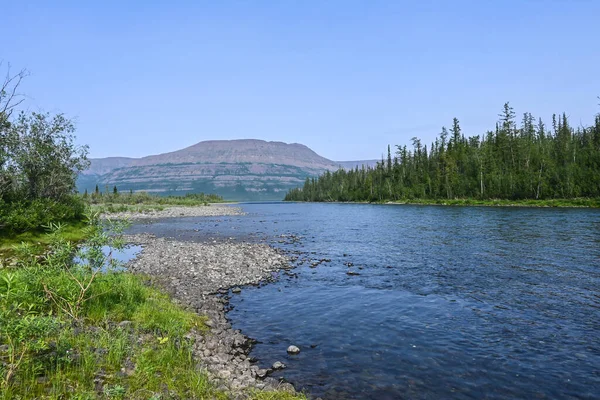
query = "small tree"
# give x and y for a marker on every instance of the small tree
(46, 158)
(115, 191)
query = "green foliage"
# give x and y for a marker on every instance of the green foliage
(40, 158)
(277, 395)
(31, 215)
(39, 240)
(39, 163)
(142, 198)
(61, 334)
(48, 302)
(510, 163)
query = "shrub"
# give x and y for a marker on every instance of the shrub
(22, 216)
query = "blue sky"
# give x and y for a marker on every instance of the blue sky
(345, 78)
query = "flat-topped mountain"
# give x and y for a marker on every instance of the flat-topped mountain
(246, 169)
(243, 151)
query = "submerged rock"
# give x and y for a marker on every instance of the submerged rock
(293, 350)
(278, 365)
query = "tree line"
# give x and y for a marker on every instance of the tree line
(515, 161)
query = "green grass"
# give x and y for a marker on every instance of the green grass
(277, 395)
(65, 356)
(111, 208)
(72, 231)
(62, 336)
(139, 198)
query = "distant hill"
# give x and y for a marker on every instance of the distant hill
(236, 169)
(353, 164)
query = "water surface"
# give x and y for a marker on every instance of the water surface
(460, 302)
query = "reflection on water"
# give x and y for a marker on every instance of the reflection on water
(122, 256)
(444, 302)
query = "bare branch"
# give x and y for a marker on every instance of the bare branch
(9, 96)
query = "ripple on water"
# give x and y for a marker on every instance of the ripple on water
(451, 302)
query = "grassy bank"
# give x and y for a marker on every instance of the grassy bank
(143, 198)
(112, 208)
(39, 240)
(141, 202)
(87, 330)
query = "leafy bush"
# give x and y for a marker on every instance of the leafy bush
(22, 215)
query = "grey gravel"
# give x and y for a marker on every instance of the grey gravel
(212, 210)
(197, 275)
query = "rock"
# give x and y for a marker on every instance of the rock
(224, 374)
(201, 275)
(352, 273)
(125, 324)
(278, 365)
(287, 387)
(211, 345)
(293, 350)
(177, 211)
(261, 373)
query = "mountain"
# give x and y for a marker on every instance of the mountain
(353, 164)
(101, 166)
(236, 169)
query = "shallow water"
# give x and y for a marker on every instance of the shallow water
(460, 302)
(122, 256)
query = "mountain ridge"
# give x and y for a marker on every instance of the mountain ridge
(241, 169)
(219, 151)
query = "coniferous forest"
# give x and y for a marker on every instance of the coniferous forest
(518, 160)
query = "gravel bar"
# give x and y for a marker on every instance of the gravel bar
(199, 276)
(212, 210)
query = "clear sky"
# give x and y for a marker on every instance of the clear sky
(345, 78)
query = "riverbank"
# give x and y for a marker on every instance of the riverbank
(150, 332)
(199, 276)
(147, 212)
(558, 203)
(39, 240)
(563, 203)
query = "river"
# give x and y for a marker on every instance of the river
(401, 301)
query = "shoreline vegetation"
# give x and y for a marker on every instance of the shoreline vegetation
(92, 330)
(548, 203)
(142, 205)
(73, 322)
(552, 203)
(514, 162)
(114, 205)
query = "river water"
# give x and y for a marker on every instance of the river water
(400, 301)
